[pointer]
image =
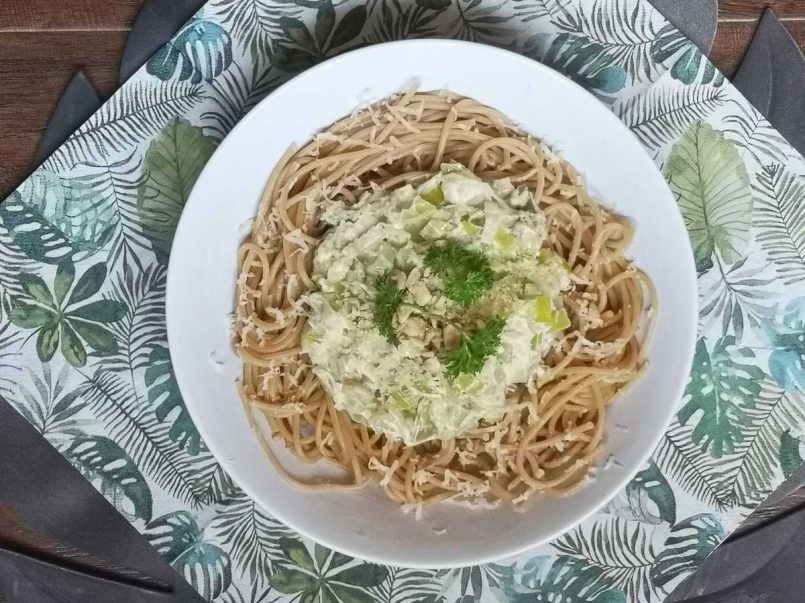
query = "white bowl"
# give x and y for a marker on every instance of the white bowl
(203, 270)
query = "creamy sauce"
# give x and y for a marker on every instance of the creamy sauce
(402, 388)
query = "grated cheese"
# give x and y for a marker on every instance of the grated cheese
(387, 472)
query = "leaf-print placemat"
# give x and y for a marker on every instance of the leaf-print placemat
(85, 241)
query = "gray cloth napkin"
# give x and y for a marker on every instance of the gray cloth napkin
(772, 78)
(78, 101)
(697, 19)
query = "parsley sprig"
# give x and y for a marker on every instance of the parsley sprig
(386, 303)
(466, 272)
(475, 346)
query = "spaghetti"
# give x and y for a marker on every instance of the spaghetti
(552, 432)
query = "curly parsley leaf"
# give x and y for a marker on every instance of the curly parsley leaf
(387, 301)
(466, 272)
(473, 349)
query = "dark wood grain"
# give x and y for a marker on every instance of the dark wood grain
(34, 69)
(751, 9)
(39, 15)
(731, 42)
(734, 36)
(42, 42)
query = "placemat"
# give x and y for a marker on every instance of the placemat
(85, 241)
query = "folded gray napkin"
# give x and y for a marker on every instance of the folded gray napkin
(772, 78)
(78, 101)
(84, 549)
(697, 19)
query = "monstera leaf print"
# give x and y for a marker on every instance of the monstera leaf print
(709, 180)
(53, 407)
(118, 478)
(689, 543)
(52, 218)
(325, 575)
(746, 475)
(671, 46)
(787, 344)
(163, 394)
(563, 578)
(202, 50)
(126, 419)
(15, 260)
(63, 317)
(648, 498)
(720, 391)
(85, 244)
(204, 565)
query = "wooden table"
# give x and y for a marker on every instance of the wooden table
(42, 42)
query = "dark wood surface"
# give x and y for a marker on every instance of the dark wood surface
(42, 42)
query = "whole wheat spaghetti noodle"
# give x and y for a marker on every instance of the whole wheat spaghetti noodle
(551, 433)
